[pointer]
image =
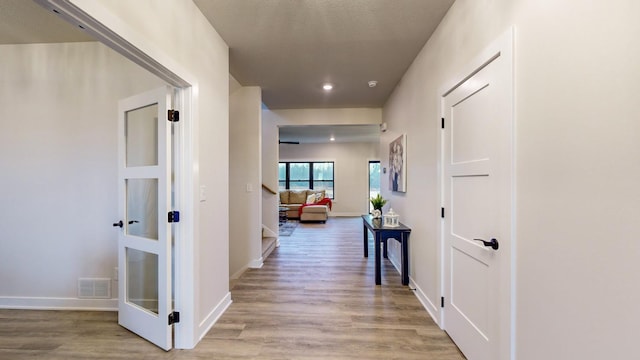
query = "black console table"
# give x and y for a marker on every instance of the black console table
(382, 234)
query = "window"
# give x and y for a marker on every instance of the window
(374, 180)
(299, 176)
(282, 176)
(306, 175)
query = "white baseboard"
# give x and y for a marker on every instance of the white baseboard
(432, 309)
(253, 264)
(208, 322)
(256, 263)
(239, 273)
(266, 254)
(42, 303)
(394, 261)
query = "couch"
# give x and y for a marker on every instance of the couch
(302, 205)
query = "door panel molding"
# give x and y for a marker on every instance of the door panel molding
(478, 79)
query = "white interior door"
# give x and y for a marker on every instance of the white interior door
(477, 192)
(144, 190)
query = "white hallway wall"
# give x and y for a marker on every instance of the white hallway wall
(58, 154)
(577, 173)
(269, 156)
(245, 172)
(351, 171)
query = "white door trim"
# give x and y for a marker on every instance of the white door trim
(114, 33)
(503, 46)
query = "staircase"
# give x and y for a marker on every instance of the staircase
(269, 242)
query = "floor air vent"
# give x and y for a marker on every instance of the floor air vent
(94, 288)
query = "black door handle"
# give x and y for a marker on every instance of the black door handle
(118, 224)
(493, 243)
(133, 221)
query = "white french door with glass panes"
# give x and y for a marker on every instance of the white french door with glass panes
(144, 201)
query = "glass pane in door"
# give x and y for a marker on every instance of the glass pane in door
(142, 208)
(142, 279)
(141, 133)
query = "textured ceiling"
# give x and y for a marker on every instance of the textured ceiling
(288, 47)
(315, 134)
(25, 22)
(291, 47)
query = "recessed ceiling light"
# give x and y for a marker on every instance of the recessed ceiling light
(327, 87)
(373, 83)
(332, 139)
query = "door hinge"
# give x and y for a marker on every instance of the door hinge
(174, 318)
(442, 213)
(443, 123)
(173, 115)
(442, 302)
(174, 216)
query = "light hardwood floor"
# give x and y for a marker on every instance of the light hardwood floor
(314, 298)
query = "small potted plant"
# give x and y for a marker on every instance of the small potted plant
(377, 203)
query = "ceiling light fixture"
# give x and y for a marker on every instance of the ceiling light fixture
(373, 83)
(332, 139)
(327, 87)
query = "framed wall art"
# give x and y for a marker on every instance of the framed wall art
(398, 164)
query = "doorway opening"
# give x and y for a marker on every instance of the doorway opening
(181, 290)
